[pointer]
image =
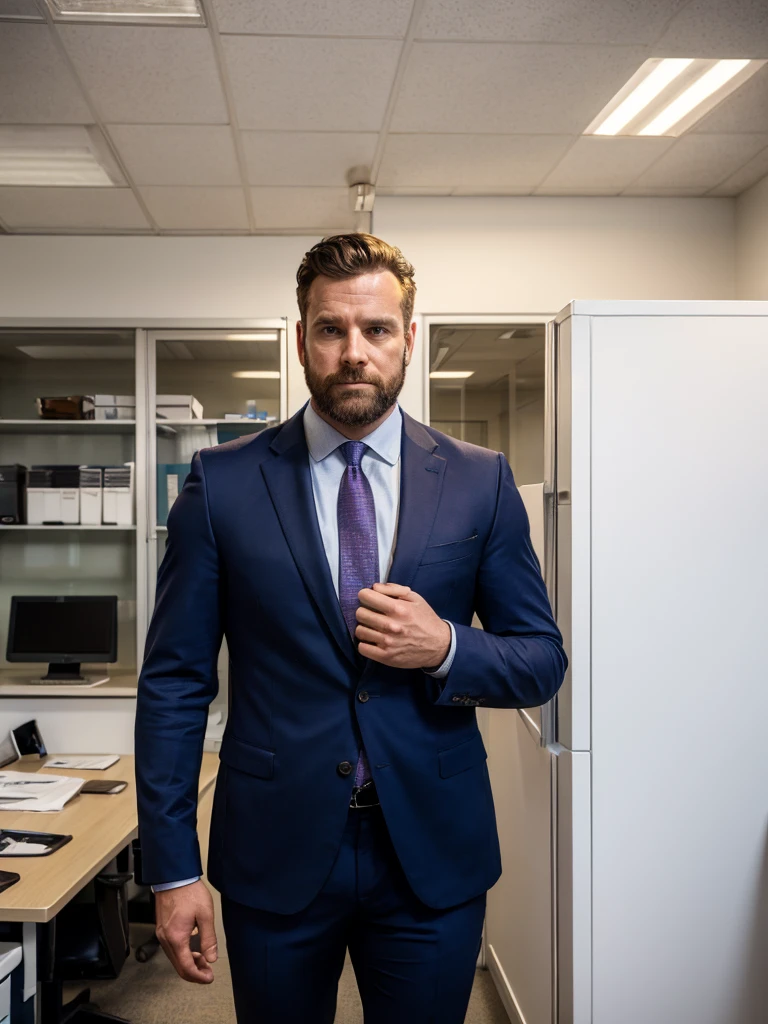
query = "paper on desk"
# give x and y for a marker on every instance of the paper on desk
(40, 792)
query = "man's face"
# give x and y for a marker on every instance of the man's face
(355, 351)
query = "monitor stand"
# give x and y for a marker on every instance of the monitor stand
(68, 674)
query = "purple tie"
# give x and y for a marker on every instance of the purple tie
(358, 549)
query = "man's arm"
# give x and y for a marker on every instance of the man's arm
(517, 661)
(178, 682)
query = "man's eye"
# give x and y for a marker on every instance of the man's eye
(328, 328)
(382, 329)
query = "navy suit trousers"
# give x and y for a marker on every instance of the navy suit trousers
(413, 964)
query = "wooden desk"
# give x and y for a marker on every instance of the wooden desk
(100, 826)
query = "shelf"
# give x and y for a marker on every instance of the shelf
(67, 426)
(73, 526)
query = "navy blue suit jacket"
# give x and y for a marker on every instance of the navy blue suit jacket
(245, 559)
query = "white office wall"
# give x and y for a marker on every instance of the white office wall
(155, 278)
(752, 242)
(516, 255)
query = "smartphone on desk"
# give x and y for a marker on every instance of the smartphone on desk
(8, 878)
(104, 786)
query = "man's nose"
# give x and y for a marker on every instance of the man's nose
(354, 352)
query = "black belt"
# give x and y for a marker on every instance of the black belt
(364, 796)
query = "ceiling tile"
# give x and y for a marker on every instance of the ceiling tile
(717, 28)
(315, 17)
(509, 89)
(148, 75)
(177, 154)
(317, 209)
(702, 160)
(753, 171)
(305, 158)
(201, 208)
(71, 208)
(595, 162)
(24, 10)
(745, 110)
(36, 86)
(477, 162)
(553, 21)
(310, 84)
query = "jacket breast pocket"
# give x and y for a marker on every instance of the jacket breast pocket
(464, 755)
(244, 757)
(451, 551)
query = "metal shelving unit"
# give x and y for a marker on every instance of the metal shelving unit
(39, 357)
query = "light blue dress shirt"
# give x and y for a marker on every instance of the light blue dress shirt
(381, 464)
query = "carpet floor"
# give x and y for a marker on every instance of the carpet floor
(152, 993)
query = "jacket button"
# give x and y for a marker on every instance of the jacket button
(344, 768)
(362, 696)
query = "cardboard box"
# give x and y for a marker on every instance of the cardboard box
(178, 407)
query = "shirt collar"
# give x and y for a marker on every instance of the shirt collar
(322, 438)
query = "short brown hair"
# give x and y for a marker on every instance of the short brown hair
(340, 256)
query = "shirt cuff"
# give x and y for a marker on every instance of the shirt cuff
(445, 668)
(174, 885)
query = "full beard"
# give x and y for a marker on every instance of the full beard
(354, 408)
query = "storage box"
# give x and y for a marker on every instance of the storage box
(13, 494)
(90, 495)
(178, 407)
(53, 495)
(69, 407)
(114, 407)
(118, 495)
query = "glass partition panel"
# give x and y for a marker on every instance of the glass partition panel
(486, 386)
(67, 476)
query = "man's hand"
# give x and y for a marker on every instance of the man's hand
(397, 627)
(177, 912)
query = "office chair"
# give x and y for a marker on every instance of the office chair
(90, 940)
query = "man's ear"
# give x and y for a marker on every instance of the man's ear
(300, 341)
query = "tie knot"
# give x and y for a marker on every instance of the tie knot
(353, 452)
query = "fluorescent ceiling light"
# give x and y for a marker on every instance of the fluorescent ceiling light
(170, 12)
(258, 374)
(71, 156)
(702, 89)
(264, 336)
(507, 335)
(77, 351)
(647, 91)
(666, 96)
(451, 374)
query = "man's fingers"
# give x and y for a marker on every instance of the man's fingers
(370, 636)
(392, 589)
(371, 651)
(188, 965)
(375, 620)
(208, 945)
(370, 598)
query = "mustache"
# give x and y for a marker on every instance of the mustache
(351, 376)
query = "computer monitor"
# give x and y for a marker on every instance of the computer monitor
(63, 631)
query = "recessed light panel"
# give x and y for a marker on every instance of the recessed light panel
(128, 12)
(69, 156)
(451, 374)
(666, 96)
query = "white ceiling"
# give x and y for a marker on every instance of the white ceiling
(251, 123)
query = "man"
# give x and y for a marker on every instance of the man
(343, 554)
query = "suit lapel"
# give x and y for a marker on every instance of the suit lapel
(421, 481)
(289, 483)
